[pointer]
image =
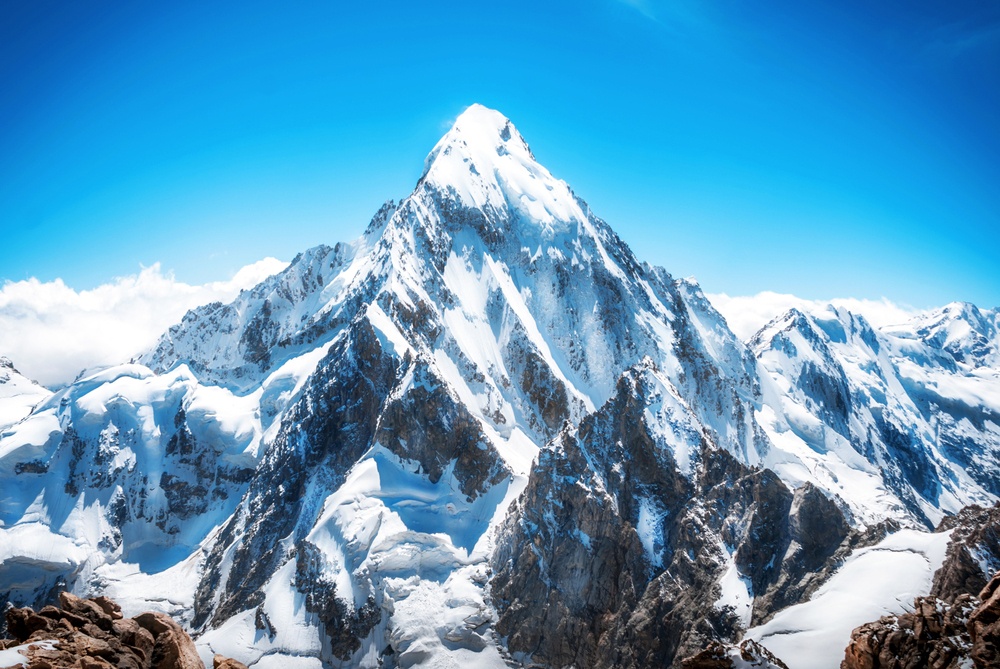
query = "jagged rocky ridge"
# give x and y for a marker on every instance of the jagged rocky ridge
(485, 432)
(616, 555)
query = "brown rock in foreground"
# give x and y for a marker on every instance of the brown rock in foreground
(984, 626)
(222, 662)
(935, 635)
(173, 647)
(93, 634)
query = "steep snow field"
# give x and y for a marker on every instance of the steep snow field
(873, 582)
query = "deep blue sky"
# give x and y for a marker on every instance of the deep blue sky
(823, 149)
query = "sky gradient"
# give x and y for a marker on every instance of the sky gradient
(835, 150)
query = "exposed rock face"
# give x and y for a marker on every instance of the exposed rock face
(725, 656)
(93, 634)
(984, 626)
(427, 425)
(974, 546)
(173, 647)
(343, 627)
(220, 662)
(615, 554)
(326, 431)
(818, 541)
(958, 622)
(934, 635)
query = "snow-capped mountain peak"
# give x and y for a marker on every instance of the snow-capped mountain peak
(485, 163)
(407, 449)
(483, 129)
(969, 334)
(895, 397)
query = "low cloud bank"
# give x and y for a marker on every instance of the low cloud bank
(51, 332)
(748, 314)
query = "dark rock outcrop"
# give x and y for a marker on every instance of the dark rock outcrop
(975, 541)
(933, 635)
(324, 433)
(343, 626)
(428, 425)
(723, 656)
(984, 626)
(613, 555)
(936, 634)
(93, 634)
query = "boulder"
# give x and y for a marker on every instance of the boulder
(221, 662)
(984, 626)
(172, 648)
(94, 634)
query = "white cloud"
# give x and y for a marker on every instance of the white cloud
(51, 332)
(749, 313)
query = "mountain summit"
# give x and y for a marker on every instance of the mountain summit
(485, 433)
(481, 138)
(484, 163)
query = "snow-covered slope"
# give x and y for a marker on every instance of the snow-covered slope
(237, 345)
(18, 394)
(968, 334)
(330, 451)
(875, 581)
(120, 466)
(903, 424)
(364, 459)
(493, 295)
